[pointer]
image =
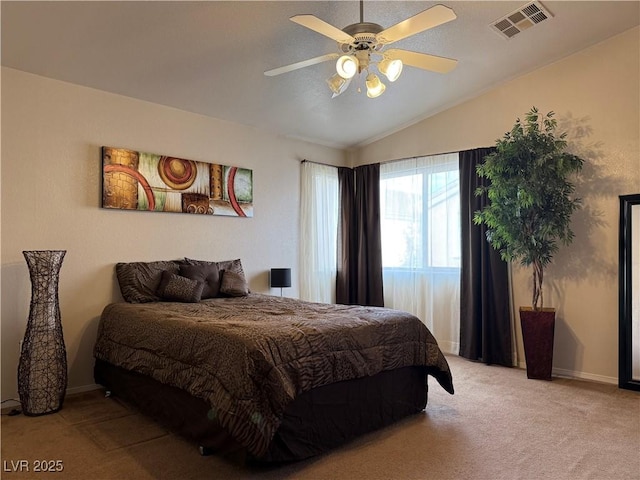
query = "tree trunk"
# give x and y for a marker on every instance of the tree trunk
(538, 276)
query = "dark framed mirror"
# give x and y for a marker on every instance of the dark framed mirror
(629, 307)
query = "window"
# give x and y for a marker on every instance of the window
(420, 213)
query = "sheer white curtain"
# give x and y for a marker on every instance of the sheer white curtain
(420, 226)
(319, 232)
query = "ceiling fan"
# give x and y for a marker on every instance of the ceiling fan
(362, 45)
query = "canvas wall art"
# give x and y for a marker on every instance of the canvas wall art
(134, 180)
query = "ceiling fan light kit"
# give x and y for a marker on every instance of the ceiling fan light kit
(338, 84)
(361, 45)
(390, 68)
(347, 66)
(375, 87)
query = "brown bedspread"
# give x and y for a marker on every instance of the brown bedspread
(250, 356)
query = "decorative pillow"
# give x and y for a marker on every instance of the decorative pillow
(208, 275)
(224, 266)
(233, 284)
(233, 265)
(139, 281)
(179, 289)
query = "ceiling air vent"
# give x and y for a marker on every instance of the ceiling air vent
(523, 18)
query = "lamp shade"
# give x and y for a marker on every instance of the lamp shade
(347, 66)
(280, 277)
(375, 87)
(391, 68)
(337, 84)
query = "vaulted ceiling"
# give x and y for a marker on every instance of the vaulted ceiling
(209, 57)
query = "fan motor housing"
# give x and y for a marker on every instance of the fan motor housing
(365, 35)
(363, 27)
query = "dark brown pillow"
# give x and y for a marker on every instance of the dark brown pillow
(208, 275)
(233, 284)
(226, 265)
(233, 265)
(179, 289)
(139, 281)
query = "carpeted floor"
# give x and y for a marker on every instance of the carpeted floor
(498, 425)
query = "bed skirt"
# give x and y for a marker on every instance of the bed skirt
(314, 422)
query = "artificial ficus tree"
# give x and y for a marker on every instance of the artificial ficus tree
(531, 196)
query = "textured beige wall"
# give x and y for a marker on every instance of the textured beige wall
(596, 96)
(51, 166)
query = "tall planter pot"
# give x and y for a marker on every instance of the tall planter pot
(42, 369)
(538, 327)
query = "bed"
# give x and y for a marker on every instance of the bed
(277, 378)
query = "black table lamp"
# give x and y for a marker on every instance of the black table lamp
(280, 277)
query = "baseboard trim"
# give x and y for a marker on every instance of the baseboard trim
(70, 391)
(561, 372)
(573, 374)
(9, 404)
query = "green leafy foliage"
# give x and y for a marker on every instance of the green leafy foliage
(531, 197)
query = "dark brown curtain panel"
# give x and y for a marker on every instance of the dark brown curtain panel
(359, 278)
(346, 235)
(485, 323)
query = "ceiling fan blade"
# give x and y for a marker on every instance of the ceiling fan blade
(323, 28)
(302, 64)
(420, 22)
(422, 60)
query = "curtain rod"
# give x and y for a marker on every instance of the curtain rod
(417, 156)
(431, 155)
(381, 163)
(325, 164)
(396, 159)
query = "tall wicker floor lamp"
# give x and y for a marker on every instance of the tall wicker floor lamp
(42, 370)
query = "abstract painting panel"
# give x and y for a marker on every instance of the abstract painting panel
(134, 180)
